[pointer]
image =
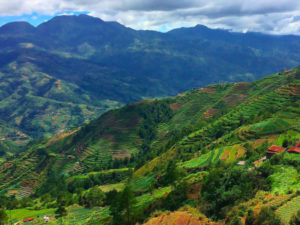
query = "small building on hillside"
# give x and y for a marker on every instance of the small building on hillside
(294, 149)
(241, 163)
(274, 149)
(71, 157)
(297, 144)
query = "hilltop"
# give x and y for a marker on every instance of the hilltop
(71, 69)
(197, 158)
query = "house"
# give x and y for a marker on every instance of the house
(71, 157)
(28, 219)
(46, 218)
(297, 144)
(241, 163)
(294, 149)
(274, 149)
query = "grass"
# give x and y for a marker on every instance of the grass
(142, 184)
(146, 199)
(110, 187)
(101, 172)
(20, 214)
(270, 126)
(294, 157)
(77, 215)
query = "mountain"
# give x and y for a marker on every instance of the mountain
(88, 66)
(197, 158)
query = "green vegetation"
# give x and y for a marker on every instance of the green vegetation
(285, 179)
(201, 152)
(112, 65)
(289, 209)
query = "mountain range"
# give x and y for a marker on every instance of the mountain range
(71, 69)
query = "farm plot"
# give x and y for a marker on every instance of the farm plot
(286, 211)
(285, 179)
(229, 154)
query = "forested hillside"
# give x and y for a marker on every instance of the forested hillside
(71, 69)
(197, 158)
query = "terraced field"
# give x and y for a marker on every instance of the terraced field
(228, 154)
(286, 211)
(146, 199)
(284, 180)
(76, 215)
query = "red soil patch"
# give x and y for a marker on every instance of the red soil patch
(294, 89)
(120, 153)
(121, 156)
(60, 136)
(13, 192)
(176, 106)
(209, 90)
(175, 218)
(259, 142)
(225, 154)
(241, 86)
(8, 164)
(209, 113)
(87, 112)
(194, 191)
(30, 183)
(234, 99)
(289, 90)
(240, 152)
(180, 218)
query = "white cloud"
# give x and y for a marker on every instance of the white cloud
(280, 16)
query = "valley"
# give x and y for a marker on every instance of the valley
(197, 158)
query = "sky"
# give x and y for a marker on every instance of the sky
(267, 16)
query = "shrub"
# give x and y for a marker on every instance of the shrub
(267, 217)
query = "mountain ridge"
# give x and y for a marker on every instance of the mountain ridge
(115, 65)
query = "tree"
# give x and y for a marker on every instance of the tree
(267, 217)
(122, 207)
(236, 221)
(3, 217)
(177, 197)
(94, 197)
(171, 173)
(61, 211)
(250, 217)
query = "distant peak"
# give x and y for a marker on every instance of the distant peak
(81, 17)
(19, 26)
(200, 26)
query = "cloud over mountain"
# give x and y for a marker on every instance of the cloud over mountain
(279, 17)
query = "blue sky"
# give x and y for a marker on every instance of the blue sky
(35, 19)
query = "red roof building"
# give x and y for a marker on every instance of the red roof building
(297, 144)
(28, 219)
(274, 149)
(294, 150)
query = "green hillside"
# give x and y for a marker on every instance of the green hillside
(71, 69)
(199, 155)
